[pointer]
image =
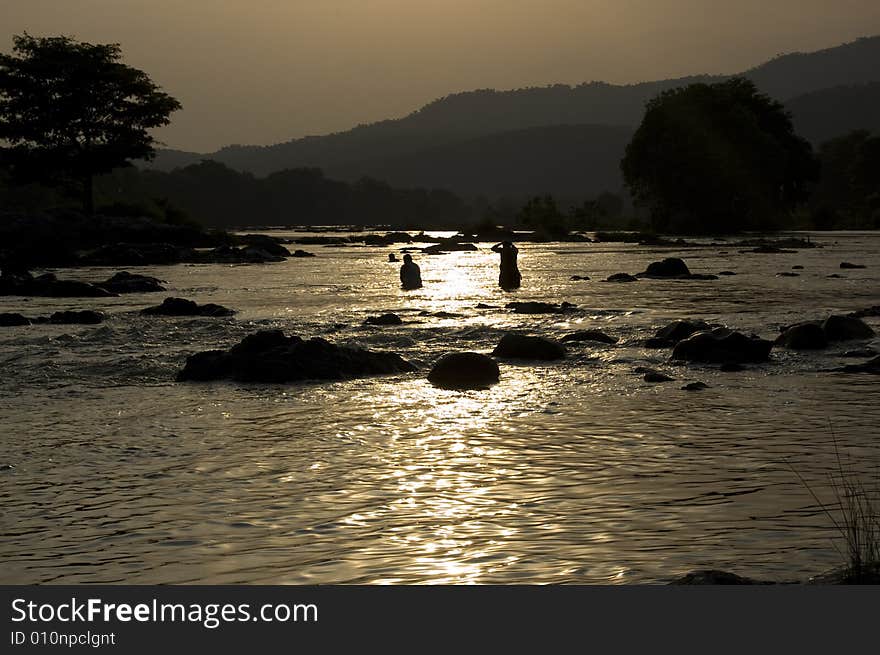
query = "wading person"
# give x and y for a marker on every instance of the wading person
(410, 274)
(510, 277)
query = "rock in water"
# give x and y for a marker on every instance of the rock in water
(657, 376)
(465, 370)
(695, 386)
(669, 267)
(590, 335)
(540, 307)
(714, 577)
(803, 336)
(384, 319)
(844, 328)
(871, 366)
(85, 317)
(269, 356)
(671, 334)
(621, 277)
(125, 282)
(12, 320)
(518, 346)
(851, 266)
(183, 307)
(722, 345)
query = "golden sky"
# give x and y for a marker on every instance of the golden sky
(265, 71)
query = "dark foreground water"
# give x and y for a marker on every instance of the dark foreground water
(573, 472)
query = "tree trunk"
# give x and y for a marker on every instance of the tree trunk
(88, 197)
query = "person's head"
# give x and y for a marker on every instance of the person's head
(407, 258)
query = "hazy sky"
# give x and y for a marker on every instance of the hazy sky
(265, 71)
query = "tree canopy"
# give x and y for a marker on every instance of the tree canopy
(70, 110)
(712, 158)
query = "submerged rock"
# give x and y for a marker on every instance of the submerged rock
(722, 345)
(657, 376)
(125, 282)
(850, 266)
(579, 278)
(621, 277)
(518, 346)
(590, 335)
(384, 319)
(808, 335)
(13, 320)
(714, 577)
(871, 366)
(302, 253)
(464, 370)
(845, 328)
(869, 311)
(183, 307)
(726, 273)
(695, 386)
(788, 274)
(269, 356)
(861, 352)
(540, 307)
(85, 317)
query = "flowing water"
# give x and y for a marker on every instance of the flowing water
(570, 472)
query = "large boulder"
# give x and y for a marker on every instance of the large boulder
(465, 370)
(669, 267)
(671, 334)
(518, 346)
(590, 335)
(722, 345)
(269, 356)
(808, 335)
(12, 320)
(183, 307)
(125, 282)
(844, 328)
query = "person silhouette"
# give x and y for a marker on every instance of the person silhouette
(510, 277)
(410, 274)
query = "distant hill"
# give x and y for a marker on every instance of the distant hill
(564, 160)
(488, 142)
(825, 114)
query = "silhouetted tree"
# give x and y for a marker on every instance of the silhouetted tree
(71, 110)
(717, 158)
(542, 215)
(848, 192)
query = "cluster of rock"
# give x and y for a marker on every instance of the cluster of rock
(183, 307)
(84, 317)
(270, 356)
(814, 335)
(671, 268)
(48, 285)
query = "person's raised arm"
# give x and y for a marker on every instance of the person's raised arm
(497, 247)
